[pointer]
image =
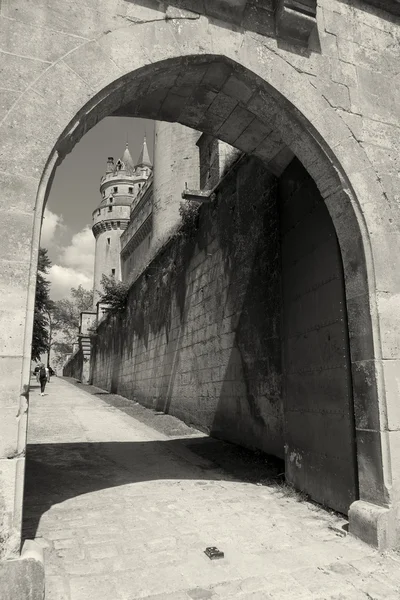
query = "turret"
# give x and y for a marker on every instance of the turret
(110, 164)
(118, 188)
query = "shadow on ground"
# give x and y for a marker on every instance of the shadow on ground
(57, 472)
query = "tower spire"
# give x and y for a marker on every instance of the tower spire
(144, 157)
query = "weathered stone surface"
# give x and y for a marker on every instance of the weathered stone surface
(391, 374)
(295, 20)
(152, 530)
(23, 579)
(214, 346)
(373, 524)
(355, 39)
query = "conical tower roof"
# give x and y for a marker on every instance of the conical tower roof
(144, 157)
(127, 161)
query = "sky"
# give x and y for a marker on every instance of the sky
(66, 229)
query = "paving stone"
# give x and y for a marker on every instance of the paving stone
(137, 524)
(101, 551)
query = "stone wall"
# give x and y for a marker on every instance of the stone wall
(200, 338)
(74, 366)
(334, 104)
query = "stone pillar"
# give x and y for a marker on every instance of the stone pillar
(176, 163)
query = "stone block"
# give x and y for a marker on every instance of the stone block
(73, 18)
(41, 43)
(295, 21)
(136, 13)
(375, 525)
(226, 10)
(386, 249)
(391, 375)
(253, 136)
(23, 578)
(389, 318)
(342, 212)
(394, 445)
(11, 486)
(337, 94)
(17, 149)
(93, 66)
(157, 40)
(259, 18)
(20, 72)
(238, 88)
(217, 113)
(9, 424)
(360, 330)
(235, 124)
(371, 467)
(12, 331)
(7, 100)
(10, 381)
(172, 107)
(68, 98)
(32, 118)
(18, 192)
(372, 86)
(217, 75)
(270, 147)
(16, 242)
(365, 394)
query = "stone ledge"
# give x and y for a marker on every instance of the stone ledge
(374, 525)
(296, 20)
(23, 578)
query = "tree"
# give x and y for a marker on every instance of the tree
(63, 319)
(115, 293)
(40, 340)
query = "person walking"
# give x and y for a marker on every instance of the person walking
(42, 378)
(36, 373)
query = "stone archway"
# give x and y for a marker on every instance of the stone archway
(233, 88)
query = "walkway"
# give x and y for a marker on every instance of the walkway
(124, 512)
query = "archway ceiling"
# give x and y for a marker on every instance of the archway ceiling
(213, 96)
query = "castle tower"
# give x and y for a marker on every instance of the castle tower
(118, 188)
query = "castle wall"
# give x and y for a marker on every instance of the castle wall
(74, 366)
(201, 336)
(138, 256)
(335, 105)
(176, 163)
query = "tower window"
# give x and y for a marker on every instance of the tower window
(112, 271)
(111, 200)
(108, 241)
(115, 190)
(110, 209)
(131, 190)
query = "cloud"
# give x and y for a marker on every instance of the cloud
(50, 226)
(79, 254)
(62, 279)
(76, 265)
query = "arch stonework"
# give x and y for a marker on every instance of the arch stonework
(134, 69)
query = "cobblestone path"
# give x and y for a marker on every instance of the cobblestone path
(125, 512)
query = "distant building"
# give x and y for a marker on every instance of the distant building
(121, 190)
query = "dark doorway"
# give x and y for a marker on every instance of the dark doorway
(320, 447)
